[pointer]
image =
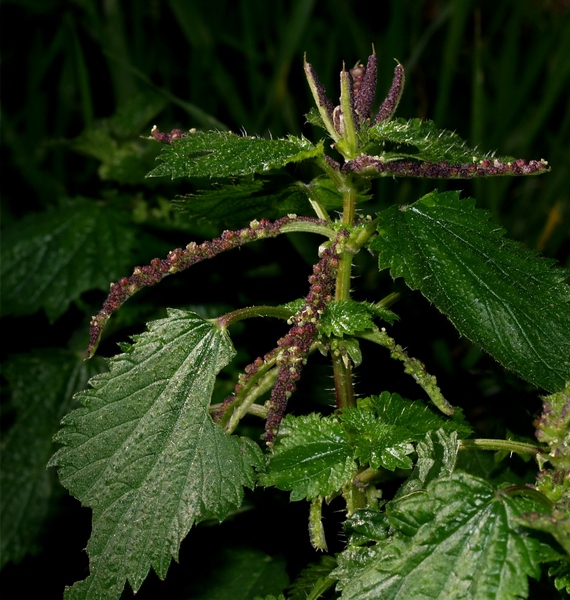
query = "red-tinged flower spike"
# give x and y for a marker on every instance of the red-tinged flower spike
(444, 170)
(293, 349)
(390, 104)
(167, 138)
(364, 88)
(178, 260)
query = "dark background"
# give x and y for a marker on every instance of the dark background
(497, 73)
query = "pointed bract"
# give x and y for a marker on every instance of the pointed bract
(364, 97)
(390, 104)
(324, 105)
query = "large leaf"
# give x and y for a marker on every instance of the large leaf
(236, 205)
(498, 294)
(456, 540)
(423, 140)
(315, 456)
(145, 455)
(39, 403)
(437, 455)
(222, 154)
(382, 428)
(311, 457)
(50, 259)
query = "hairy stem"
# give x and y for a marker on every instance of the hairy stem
(502, 445)
(249, 312)
(413, 367)
(181, 259)
(342, 369)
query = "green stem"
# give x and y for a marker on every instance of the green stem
(343, 383)
(412, 366)
(349, 194)
(249, 312)
(308, 227)
(257, 410)
(342, 368)
(501, 445)
(523, 490)
(263, 385)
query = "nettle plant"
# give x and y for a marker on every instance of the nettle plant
(152, 456)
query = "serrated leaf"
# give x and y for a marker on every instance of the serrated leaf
(455, 540)
(314, 580)
(498, 294)
(39, 402)
(414, 415)
(311, 457)
(557, 523)
(561, 573)
(348, 317)
(377, 442)
(437, 455)
(222, 154)
(423, 140)
(49, 259)
(145, 455)
(238, 204)
(345, 317)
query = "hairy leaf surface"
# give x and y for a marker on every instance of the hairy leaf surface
(49, 259)
(382, 428)
(423, 140)
(236, 205)
(437, 454)
(311, 457)
(145, 455)
(39, 403)
(347, 317)
(455, 540)
(222, 154)
(498, 294)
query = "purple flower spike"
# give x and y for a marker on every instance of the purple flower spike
(166, 138)
(179, 260)
(443, 169)
(388, 107)
(365, 89)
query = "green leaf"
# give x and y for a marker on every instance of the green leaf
(381, 429)
(455, 540)
(557, 523)
(423, 140)
(213, 154)
(498, 294)
(348, 317)
(145, 455)
(236, 205)
(314, 580)
(50, 259)
(376, 442)
(240, 574)
(39, 402)
(311, 457)
(560, 572)
(437, 455)
(414, 415)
